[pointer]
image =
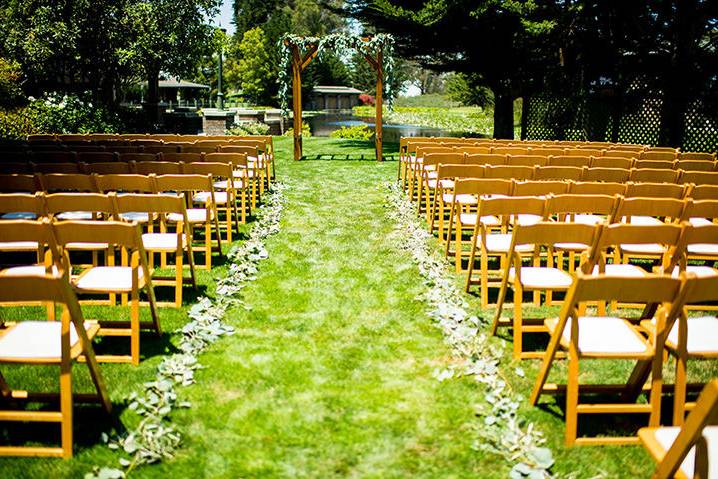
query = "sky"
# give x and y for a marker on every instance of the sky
(225, 17)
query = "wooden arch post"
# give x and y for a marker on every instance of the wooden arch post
(299, 63)
(378, 66)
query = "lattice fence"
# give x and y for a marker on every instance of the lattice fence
(634, 118)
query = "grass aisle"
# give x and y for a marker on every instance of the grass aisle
(330, 374)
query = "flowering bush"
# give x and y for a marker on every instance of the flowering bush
(55, 113)
(367, 100)
(357, 132)
(248, 128)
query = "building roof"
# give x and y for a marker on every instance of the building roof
(346, 90)
(175, 83)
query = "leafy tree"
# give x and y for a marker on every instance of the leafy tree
(253, 67)
(494, 39)
(167, 36)
(467, 90)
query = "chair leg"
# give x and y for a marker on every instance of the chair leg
(208, 245)
(518, 319)
(135, 328)
(502, 296)
(449, 230)
(178, 279)
(66, 404)
(546, 363)
(572, 398)
(679, 390)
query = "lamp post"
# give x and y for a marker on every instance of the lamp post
(220, 95)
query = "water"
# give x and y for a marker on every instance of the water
(325, 123)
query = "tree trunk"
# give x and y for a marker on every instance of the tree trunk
(503, 112)
(153, 97)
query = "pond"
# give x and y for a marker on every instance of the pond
(323, 124)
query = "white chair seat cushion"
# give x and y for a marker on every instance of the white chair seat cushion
(542, 278)
(194, 215)
(464, 198)
(86, 246)
(108, 278)
(138, 216)
(643, 220)
(665, 436)
(242, 172)
(161, 241)
(445, 183)
(75, 215)
(700, 221)
(19, 215)
(626, 270)
(469, 219)
(571, 246)
(18, 246)
(704, 249)
(603, 334)
(28, 340)
(588, 219)
(700, 271)
(526, 220)
(29, 270)
(431, 174)
(500, 243)
(220, 197)
(651, 248)
(222, 185)
(702, 334)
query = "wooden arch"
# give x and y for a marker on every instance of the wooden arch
(300, 61)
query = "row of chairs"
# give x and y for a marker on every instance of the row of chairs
(576, 158)
(202, 201)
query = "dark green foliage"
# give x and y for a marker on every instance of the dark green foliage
(468, 90)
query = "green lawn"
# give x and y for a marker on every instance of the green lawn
(331, 373)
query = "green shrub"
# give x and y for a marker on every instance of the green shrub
(306, 131)
(248, 128)
(357, 132)
(10, 91)
(16, 124)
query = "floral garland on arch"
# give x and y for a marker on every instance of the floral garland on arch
(154, 438)
(502, 430)
(340, 42)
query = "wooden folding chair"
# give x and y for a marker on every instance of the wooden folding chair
(596, 188)
(540, 188)
(70, 182)
(97, 157)
(696, 156)
(246, 179)
(509, 150)
(604, 337)
(510, 172)
(182, 157)
(536, 278)
(611, 175)
(464, 202)
(129, 183)
(485, 159)
(700, 177)
(565, 173)
(496, 213)
(207, 216)
(157, 168)
(687, 338)
(655, 164)
(53, 157)
(224, 200)
(575, 161)
(546, 151)
(704, 192)
(111, 168)
(42, 342)
(583, 152)
(611, 162)
(427, 177)
(47, 168)
(29, 236)
(129, 278)
(658, 154)
(162, 241)
(192, 148)
(654, 175)
(656, 190)
(443, 187)
(416, 165)
(25, 206)
(688, 451)
(526, 160)
(696, 165)
(258, 167)
(19, 183)
(161, 149)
